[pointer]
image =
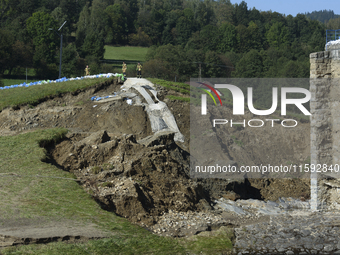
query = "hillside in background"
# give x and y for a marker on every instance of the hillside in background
(322, 16)
(220, 38)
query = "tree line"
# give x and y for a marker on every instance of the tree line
(323, 16)
(187, 38)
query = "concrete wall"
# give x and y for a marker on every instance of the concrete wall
(325, 123)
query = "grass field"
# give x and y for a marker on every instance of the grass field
(9, 82)
(32, 189)
(125, 53)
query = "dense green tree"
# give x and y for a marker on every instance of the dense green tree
(241, 14)
(49, 5)
(44, 67)
(255, 16)
(317, 42)
(7, 9)
(333, 23)
(45, 41)
(83, 25)
(130, 8)
(291, 69)
(250, 65)
(206, 39)
(232, 60)
(117, 26)
(21, 56)
(6, 40)
(140, 39)
(157, 68)
(70, 10)
(194, 42)
(223, 10)
(292, 27)
(278, 35)
(185, 26)
(93, 45)
(205, 14)
(323, 16)
(228, 39)
(272, 17)
(269, 62)
(169, 5)
(27, 6)
(156, 26)
(243, 39)
(61, 17)
(214, 66)
(255, 40)
(170, 53)
(98, 19)
(70, 61)
(303, 31)
(172, 58)
(169, 34)
(209, 37)
(91, 29)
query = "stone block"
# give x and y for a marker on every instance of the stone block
(319, 60)
(313, 55)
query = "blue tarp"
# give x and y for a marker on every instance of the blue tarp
(108, 75)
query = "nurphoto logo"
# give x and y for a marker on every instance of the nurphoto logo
(239, 103)
(250, 128)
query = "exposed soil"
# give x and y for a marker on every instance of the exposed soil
(110, 148)
(77, 112)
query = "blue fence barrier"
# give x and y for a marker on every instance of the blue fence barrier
(107, 75)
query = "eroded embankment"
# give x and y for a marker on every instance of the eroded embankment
(145, 178)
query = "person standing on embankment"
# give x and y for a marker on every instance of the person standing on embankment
(87, 70)
(124, 67)
(139, 70)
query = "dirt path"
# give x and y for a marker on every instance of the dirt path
(41, 230)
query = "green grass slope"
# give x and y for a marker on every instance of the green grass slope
(125, 53)
(32, 95)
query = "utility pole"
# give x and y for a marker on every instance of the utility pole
(61, 46)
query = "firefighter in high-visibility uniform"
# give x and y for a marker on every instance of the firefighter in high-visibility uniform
(124, 67)
(139, 70)
(87, 70)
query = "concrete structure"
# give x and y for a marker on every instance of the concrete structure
(325, 126)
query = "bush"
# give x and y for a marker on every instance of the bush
(107, 68)
(93, 64)
(140, 39)
(69, 61)
(47, 71)
(156, 68)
